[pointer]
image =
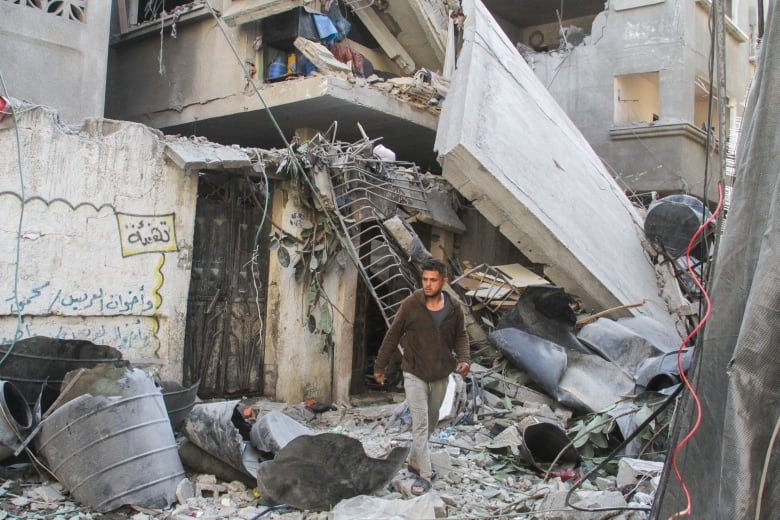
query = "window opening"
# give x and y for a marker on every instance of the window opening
(637, 98)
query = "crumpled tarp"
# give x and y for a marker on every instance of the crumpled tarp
(731, 466)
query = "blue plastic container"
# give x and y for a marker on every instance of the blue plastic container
(278, 68)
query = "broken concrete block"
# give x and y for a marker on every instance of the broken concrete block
(554, 506)
(320, 56)
(508, 147)
(440, 460)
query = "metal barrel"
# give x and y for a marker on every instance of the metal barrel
(15, 419)
(179, 401)
(111, 451)
(38, 360)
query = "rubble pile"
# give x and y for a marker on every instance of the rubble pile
(486, 463)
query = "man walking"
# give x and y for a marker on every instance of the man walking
(431, 330)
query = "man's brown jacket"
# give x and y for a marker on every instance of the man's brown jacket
(429, 352)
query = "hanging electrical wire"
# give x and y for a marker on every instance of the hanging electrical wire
(296, 165)
(705, 316)
(16, 307)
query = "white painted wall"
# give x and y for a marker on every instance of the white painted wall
(102, 225)
(56, 60)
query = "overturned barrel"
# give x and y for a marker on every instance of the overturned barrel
(671, 223)
(31, 362)
(114, 450)
(178, 400)
(15, 419)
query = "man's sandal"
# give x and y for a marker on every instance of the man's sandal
(420, 486)
(416, 472)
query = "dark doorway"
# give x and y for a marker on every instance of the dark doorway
(369, 331)
(224, 344)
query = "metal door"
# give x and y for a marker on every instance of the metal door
(224, 341)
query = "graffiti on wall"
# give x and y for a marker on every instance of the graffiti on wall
(146, 233)
(134, 333)
(69, 274)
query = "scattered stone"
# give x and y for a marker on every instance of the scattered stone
(185, 490)
(47, 493)
(605, 483)
(630, 470)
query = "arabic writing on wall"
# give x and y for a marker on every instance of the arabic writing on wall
(62, 274)
(49, 299)
(136, 334)
(146, 233)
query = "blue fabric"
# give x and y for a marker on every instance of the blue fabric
(341, 23)
(325, 28)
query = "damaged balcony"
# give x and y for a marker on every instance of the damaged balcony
(631, 75)
(311, 62)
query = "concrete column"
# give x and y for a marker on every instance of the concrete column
(299, 364)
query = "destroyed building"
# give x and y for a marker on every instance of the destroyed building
(210, 69)
(634, 76)
(250, 211)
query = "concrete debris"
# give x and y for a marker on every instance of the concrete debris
(552, 197)
(425, 507)
(472, 480)
(631, 471)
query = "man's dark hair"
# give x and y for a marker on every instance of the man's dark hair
(434, 264)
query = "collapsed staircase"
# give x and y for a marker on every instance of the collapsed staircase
(368, 191)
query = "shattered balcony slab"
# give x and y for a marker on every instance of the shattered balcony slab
(507, 146)
(317, 100)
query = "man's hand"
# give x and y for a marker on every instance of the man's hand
(379, 377)
(462, 369)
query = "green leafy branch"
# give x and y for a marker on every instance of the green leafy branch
(312, 255)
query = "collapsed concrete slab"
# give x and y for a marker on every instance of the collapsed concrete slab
(507, 146)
